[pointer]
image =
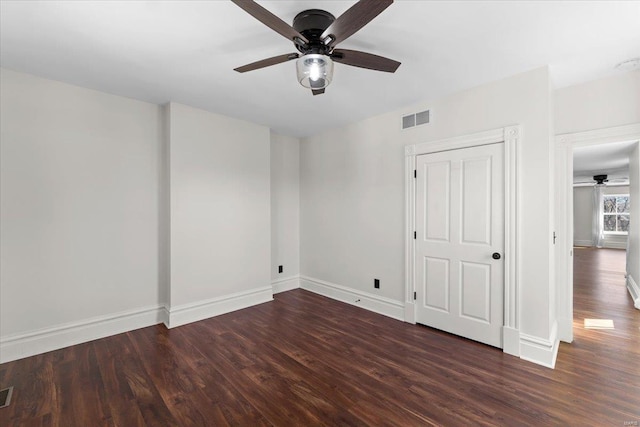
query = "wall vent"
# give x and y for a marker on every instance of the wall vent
(415, 119)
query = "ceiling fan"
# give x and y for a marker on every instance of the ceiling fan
(315, 34)
(603, 180)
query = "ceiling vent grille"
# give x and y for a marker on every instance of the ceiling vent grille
(416, 119)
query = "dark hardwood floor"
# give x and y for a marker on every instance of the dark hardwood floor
(308, 360)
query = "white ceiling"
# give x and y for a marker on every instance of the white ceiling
(185, 51)
(605, 159)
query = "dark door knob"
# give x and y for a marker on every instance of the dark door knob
(495, 255)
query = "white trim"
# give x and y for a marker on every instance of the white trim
(193, 312)
(565, 244)
(541, 351)
(285, 284)
(371, 302)
(634, 291)
(601, 136)
(18, 346)
(611, 244)
(512, 138)
(511, 341)
(608, 184)
(165, 315)
(410, 212)
(569, 142)
(465, 141)
(587, 243)
(410, 312)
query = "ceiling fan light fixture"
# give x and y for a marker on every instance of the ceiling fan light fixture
(314, 71)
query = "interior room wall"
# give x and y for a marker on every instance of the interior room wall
(78, 209)
(352, 191)
(220, 214)
(118, 214)
(583, 217)
(285, 211)
(599, 104)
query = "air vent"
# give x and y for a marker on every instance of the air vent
(5, 397)
(416, 119)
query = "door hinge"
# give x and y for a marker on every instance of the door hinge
(415, 235)
(415, 296)
(415, 173)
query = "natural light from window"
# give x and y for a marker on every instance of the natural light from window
(616, 213)
(598, 324)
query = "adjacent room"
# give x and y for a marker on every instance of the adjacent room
(319, 213)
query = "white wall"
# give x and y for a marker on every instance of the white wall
(352, 191)
(614, 101)
(583, 217)
(220, 207)
(113, 209)
(78, 204)
(285, 206)
(633, 252)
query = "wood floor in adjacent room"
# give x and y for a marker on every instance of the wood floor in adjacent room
(308, 360)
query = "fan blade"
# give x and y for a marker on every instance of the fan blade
(365, 60)
(356, 17)
(270, 20)
(266, 62)
(317, 91)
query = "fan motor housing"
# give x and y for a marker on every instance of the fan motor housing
(600, 179)
(311, 24)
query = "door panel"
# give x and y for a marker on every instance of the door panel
(436, 207)
(436, 283)
(475, 290)
(476, 201)
(460, 224)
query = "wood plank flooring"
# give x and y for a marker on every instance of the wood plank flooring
(307, 360)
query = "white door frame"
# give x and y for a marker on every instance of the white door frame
(565, 144)
(511, 137)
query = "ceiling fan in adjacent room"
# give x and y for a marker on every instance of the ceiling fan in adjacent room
(603, 180)
(315, 34)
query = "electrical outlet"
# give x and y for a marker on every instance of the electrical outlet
(280, 269)
(376, 283)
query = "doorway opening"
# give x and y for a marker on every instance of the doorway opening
(595, 214)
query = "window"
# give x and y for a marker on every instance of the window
(616, 213)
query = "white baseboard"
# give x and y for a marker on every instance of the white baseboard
(538, 350)
(192, 312)
(565, 329)
(381, 305)
(511, 341)
(634, 290)
(583, 243)
(18, 346)
(614, 245)
(410, 312)
(285, 284)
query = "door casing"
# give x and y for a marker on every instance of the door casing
(511, 137)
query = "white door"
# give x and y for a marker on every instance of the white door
(459, 231)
